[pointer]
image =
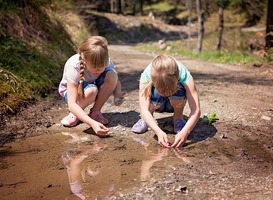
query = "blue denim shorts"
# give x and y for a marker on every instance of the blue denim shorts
(97, 83)
(164, 102)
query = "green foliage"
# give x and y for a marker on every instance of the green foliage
(207, 120)
(268, 56)
(14, 4)
(179, 48)
(161, 6)
(25, 73)
(253, 9)
(222, 3)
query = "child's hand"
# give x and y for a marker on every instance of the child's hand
(100, 129)
(163, 140)
(180, 139)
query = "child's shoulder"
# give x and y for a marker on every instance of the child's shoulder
(73, 60)
(74, 57)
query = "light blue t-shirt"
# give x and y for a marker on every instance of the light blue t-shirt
(184, 74)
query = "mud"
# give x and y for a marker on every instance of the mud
(229, 159)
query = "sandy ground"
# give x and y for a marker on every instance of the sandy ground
(229, 159)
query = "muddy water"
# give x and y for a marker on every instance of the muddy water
(114, 165)
(72, 164)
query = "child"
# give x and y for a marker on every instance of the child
(164, 86)
(89, 77)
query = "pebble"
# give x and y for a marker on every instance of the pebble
(267, 118)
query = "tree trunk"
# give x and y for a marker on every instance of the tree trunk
(112, 6)
(133, 7)
(220, 28)
(189, 24)
(141, 7)
(201, 29)
(119, 8)
(269, 25)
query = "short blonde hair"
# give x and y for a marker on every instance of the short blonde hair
(164, 76)
(94, 51)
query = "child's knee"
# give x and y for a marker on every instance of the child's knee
(111, 75)
(178, 103)
(91, 92)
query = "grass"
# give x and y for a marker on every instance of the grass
(179, 48)
(25, 73)
(32, 62)
(160, 7)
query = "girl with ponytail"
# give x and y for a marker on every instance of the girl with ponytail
(90, 78)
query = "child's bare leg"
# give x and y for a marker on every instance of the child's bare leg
(90, 96)
(118, 94)
(178, 106)
(106, 90)
(178, 121)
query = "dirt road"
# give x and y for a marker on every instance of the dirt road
(229, 159)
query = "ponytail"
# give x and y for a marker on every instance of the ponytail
(147, 90)
(80, 88)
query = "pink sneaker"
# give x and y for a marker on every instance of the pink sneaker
(70, 120)
(96, 115)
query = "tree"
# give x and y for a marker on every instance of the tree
(133, 7)
(201, 28)
(141, 7)
(189, 6)
(116, 6)
(220, 28)
(222, 4)
(269, 25)
(119, 5)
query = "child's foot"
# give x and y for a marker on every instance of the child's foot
(119, 99)
(70, 120)
(97, 116)
(140, 126)
(178, 125)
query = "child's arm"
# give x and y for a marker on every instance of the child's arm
(194, 105)
(148, 118)
(74, 107)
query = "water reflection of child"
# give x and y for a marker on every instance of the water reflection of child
(154, 157)
(164, 86)
(90, 77)
(147, 164)
(74, 171)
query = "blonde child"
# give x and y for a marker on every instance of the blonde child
(90, 77)
(165, 86)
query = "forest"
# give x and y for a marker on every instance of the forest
(38, 34)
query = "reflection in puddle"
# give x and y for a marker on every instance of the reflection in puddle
(97, 170)
(154, 157)
(147, 164)
(75, 173)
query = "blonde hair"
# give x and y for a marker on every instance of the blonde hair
(94, 51)
(164, 76)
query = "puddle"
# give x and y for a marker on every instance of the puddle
(101, 168)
